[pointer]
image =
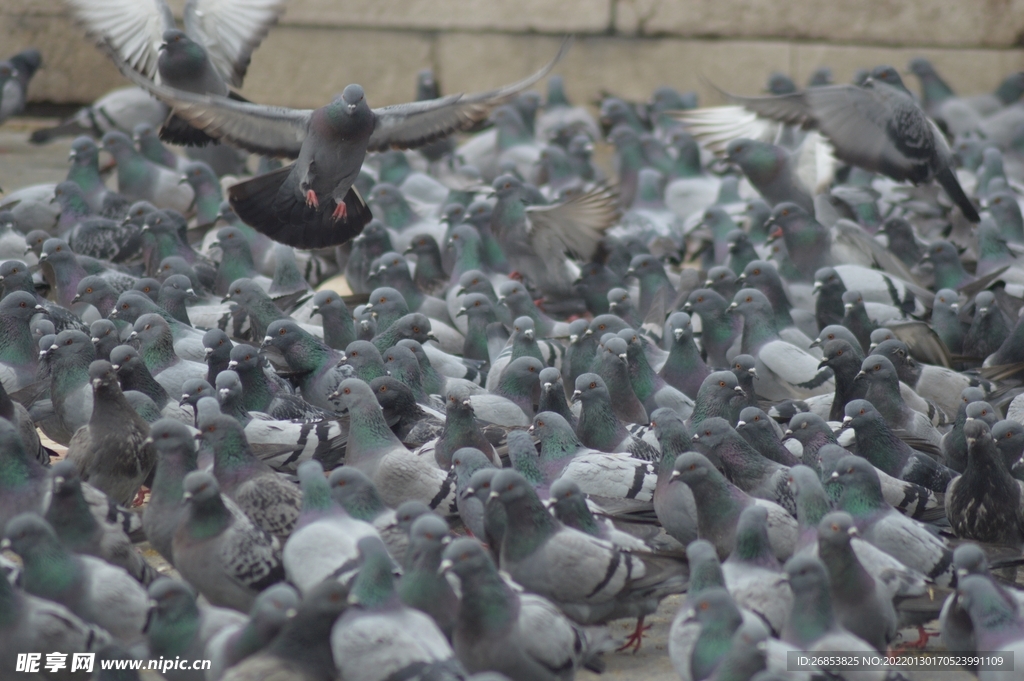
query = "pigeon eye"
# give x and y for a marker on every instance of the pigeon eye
(693, 466)
(721, 383)
(878, 367)
(383, 388)
(347, 391)
(757, 271)
(68, 342)
(416, 329)
(594, 384)
(750, 299)
(839, 353)
(23, 305)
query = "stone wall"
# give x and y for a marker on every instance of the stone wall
(625, 46)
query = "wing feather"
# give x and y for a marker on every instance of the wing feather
(230, 30)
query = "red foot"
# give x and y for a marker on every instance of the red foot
(311, 199)
(919, 644)
(340, 211)
(515, 275)
(140, 496)
(636, 638)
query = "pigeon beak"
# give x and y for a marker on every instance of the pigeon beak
(530, 430)
(742, 278)
(40, 308)
(740, 423)
(461, 291)
(96, 382)
(208, 351)
(576, 395)
(148, 441)
(186, 495)
(266, 341)
(847, 420)
(547, 385)
(816, 288)
(822, 364)
(852, 532)
(622, 357)
(467, 403)
(432, 337)
(847, 306)
(445, 566)
(492, 495)
(183, 179)
(461, 312)
(184, 400)
(5, 544)
(334, 395)
(588, 332)
(529, 334)
(788, 433)
(408, 249)
(695, 438)
(732, 307)
(630, 272)
(834, 476)
(687, 307)
(133, 335)
(752, 371)
(58, 482)
(232, 364)
(501, 299)
(72, 155)
(76, 299)
(678, 333)
(982, 310)
(708, 283)
(739, 391)
(573, 338)
(675, 475)
(223, 392)
(860, 375)
(815, 343)
(42, 256)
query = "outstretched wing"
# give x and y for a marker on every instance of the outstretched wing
(267, 130)
(404, 126)
(576, 225)
(132, 28)
(230, 30)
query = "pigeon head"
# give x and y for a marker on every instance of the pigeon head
(430, 528)
(19, 306)
(506, 185)
(229, 386)
(66, 481)
(969, 559)
(172, 601)
(124, 358)
(806, 574)
(711, 433)
(705, 301)
(852, 300)
(787, 218)
(355, 493)
(836, 529)
(979, 596)
(15, 276)
(942, 253)
(680, 326)
(195, 389)
(803, 478)
(749, 301)
(468, 460)
(71, 343)
(283, 334)
(878, 369)
(56, 251)
(666, 423)
(606, 323)
(150, 328)
(833, 332)
(976, 430)
(387, 303)
(170, 435)
(509, 487)
(644, 265)
(693, 468)
(244, 357)
(352, 95)
(327, 300)
(245, 292)
(102, 376)
(465, 557)
(888, 75)
(619, 302)
(149, 286)
(199, 175)
(805, 425)
(232, 242)
(131, 305)
(83, 152)
(563, 490)
(856, 472)
(475, 304)
(983, 412)
(385, 194)
(752, 417)
(353, 392)
(838, 353)
(453, 214)
(118, 144)
(591, 386)
(860, 412)
(200, 486)
(222, 433)
(1009, 437)
(423, 245)
(407, 513)
(393, 396)
(26, 532)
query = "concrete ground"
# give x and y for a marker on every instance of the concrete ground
(22, 164)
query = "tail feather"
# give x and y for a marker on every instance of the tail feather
(947, 178)
(271, 205)
(69, 128)
(177, 131)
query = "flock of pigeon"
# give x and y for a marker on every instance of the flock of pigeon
(756, 366)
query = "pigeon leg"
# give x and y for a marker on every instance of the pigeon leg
(635, 639)
(919, 644)
(311, 199)
(340, 211)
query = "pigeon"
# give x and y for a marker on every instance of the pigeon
(607, 584)
(878, 523)
(720, 503)
(235, 642)
(997, 624)
(758, 429)
(73, 523)
(378, 637)
(522, 636)
(37, 625)
(265, 496)
(302, 649)
(398, 474)
(96, 591)
(611, 475)
(884, 112)
(175, 458)
(600, 428)
(357, 495)
(684, 368)
(423, 585)
(308, 204)
(19, 417)
(985, 503)
(884, 395)
(460, 429)
(179, 627)
(337, 319)
(110, 452)
(323, 543)
(139, 179)
(219, 550)
(314, 363)
(877, 443)
(753, 575)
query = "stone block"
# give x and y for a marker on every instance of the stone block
(889, 22)
(542, 16)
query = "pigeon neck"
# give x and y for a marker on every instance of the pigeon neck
(369, 436)
(70, 518)
(11, 604)
(673, 442)
(811, 506)
(758, 330)
(17, 468)
(316, 497)
(641, 375)
(704, 575)
(374, 588)
(556, 450)
(310, 354)
(488, 604)
(6, 406)
(554, 400)
(365, 505)
(752, 547)
(305, 642)
(884, 395)
(527, 463)
(168, 634)
(525, 347)
(575, 514)
(811, 617)
(339, 330)
(529, 526)
(861, 500)
(66, 276)
(69, 375)
(86, 175)
(208, 518)
(50, 570)
(599, 427)
(171, 468)
(714, 641)
(397, 214)
(845, 569)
